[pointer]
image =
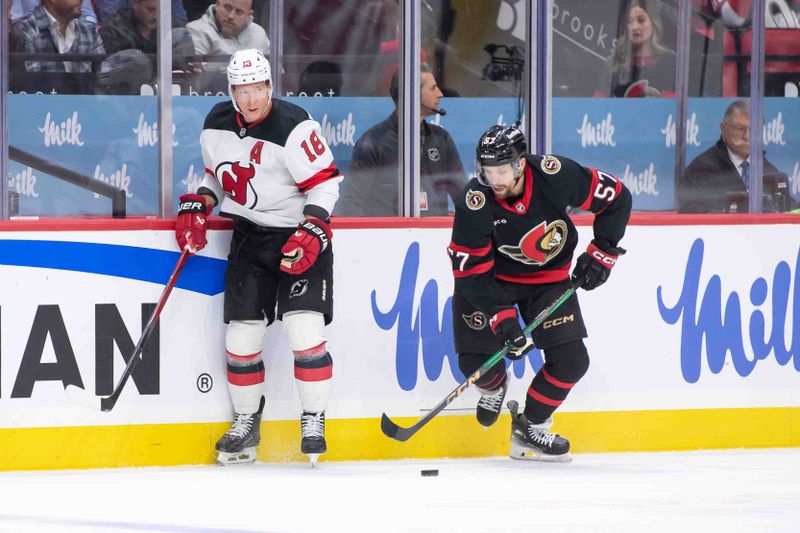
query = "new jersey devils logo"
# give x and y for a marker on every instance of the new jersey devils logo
(235, 178)
(539, 245)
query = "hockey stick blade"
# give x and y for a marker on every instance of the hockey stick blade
(394, 431)
(82, 397)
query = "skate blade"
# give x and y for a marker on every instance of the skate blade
(313, 459)
(523, 453)
(248, 455)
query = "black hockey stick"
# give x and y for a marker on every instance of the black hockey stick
(392, 430)
(83, 397)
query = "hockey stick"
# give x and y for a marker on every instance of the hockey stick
(392, 430)
(84, 398)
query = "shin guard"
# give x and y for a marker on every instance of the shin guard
(565, 365)
(245, 368)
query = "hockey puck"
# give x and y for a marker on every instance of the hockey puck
(429, 473)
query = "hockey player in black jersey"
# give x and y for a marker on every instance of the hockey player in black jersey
(512, 246)
(268, 167)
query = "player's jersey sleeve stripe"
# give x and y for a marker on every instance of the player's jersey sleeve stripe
(588, 202)
(477, 269)
(210, 172)
(471, 251)
(320, 177)
(545, 276)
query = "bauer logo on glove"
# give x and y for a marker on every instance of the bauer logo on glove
(304, 246)
(190, 226)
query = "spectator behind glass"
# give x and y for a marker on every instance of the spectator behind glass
(226, 27)
(135, 27)
(641, 64)
(55, 27)
(22, 8)
(13, 43)
(372, 179)
(124, 73)
(720, 176)
(107, 8)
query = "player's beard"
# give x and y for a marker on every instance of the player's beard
(510, 190)
(503, 193)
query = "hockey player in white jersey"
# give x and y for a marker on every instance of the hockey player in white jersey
(269, 168)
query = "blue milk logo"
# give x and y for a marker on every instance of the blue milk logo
(773, 131)
(600, 134)
(339, 133)
(692, 131)
(639, 183)
(794, 180)
(723, 331)
(426, 325)
(59, 133)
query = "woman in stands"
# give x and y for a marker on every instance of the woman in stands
(642, 65)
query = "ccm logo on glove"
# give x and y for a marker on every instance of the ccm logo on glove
(593, 267)
(601, 256)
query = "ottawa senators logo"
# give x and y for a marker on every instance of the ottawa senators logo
(475, 199)
(235, 178)
(550, 165)
(476, 320)
(539, 245)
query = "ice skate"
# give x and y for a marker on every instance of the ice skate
(312, 427)
(534, 442)
(239, 444)
(490, 404)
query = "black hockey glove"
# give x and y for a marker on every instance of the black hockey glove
(593, 266)
(505, 325)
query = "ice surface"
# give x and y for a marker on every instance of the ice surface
(731, 491)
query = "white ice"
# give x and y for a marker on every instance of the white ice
(708, 491)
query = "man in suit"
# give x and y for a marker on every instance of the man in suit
(724, 170)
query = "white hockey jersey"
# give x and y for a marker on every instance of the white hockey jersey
(269, 171)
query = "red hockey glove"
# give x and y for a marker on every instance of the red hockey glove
(593, 266)
(505, 325)
(190, 226)
(312, 238)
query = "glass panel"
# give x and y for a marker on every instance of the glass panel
(339, 58)
(475, 50)
(625, 50)
(75, 103)
(781, 137)
(715, 180)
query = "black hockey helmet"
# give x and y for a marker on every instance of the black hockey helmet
(499, 145)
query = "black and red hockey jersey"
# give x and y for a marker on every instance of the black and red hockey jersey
(531, 239)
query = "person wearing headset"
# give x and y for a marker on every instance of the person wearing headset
(372, 190)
